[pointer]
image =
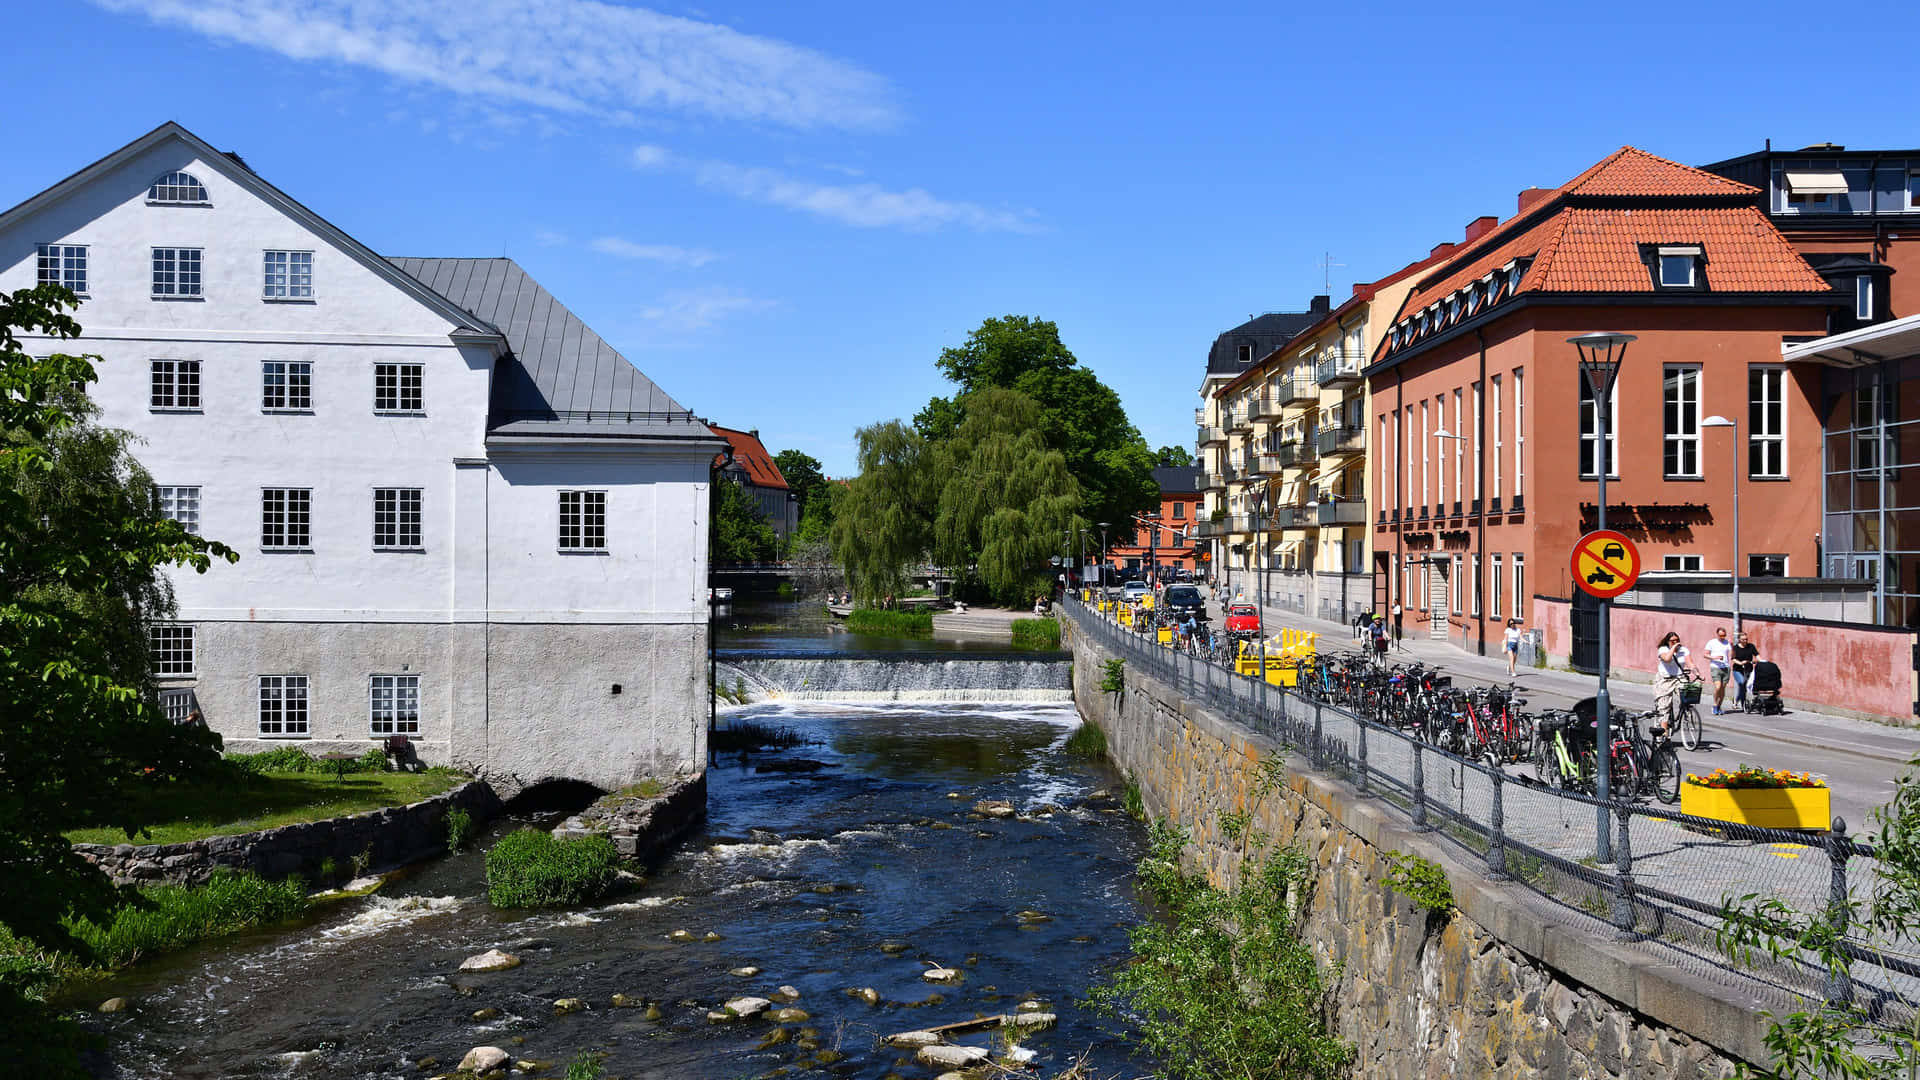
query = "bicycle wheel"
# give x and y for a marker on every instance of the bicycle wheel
(1690, 727)
(1546, 765)
(1666, 774)
(1623, 781)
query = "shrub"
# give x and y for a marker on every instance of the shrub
(292, 759)
(899, 623)
(1420, 880)
(1115, 678)
(168, 917)
(530, 868)
(459, 828)
(1036, 633)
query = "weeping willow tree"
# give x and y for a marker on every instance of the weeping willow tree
(1006, 500)
(882, 521)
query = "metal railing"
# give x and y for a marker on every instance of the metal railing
(1669, 874)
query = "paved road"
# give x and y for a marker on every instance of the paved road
(1859, 758)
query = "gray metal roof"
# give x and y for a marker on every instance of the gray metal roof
(560, 378)
(1177, 479)
(1261, 334)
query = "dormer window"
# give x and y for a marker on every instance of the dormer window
(1814, 191)
(1676, 266)
(178, 188)
(1246, 354)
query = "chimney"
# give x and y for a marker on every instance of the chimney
(1531, 198)
(1321, 305)
(1439, 250)
(1480, 227)
(1360, 286)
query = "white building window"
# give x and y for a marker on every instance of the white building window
(1424, 441)
(396, 519)
(1476, 585)
(288, 276)
(1589, 428)
(286, 386)
(1499, 449)
(1520, 434)
(1676, 271)
(283, 706)
(63, 264)
(1863, 297)
(393, 704)
(396, 388)
(1498, 583)
(286, 519)
(583, 521)
(175, 385)
(1680, 562)
(1459, 583)
(170, 650)
(1682, 421)
(180, 504)
(1766, 566)
(178, 704)
(1459, 448)
(176, 272)
(1479, 456)
(178, 187)
(1519, 585)
(1766, 422)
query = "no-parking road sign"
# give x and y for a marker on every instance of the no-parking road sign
(1605, 563)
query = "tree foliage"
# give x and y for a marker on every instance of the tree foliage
(883, 523)
(740, 531)
(1174, 457)
(82, 543)
(1006, 500)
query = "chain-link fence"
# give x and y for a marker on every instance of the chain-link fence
(1665, 883)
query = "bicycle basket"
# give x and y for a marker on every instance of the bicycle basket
(1690, 693)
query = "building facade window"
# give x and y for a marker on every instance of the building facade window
(1459, 447)
(175, 385)
(1479, 456)
(1179, 511)
(393, 704)
(1682, 447)
(1519, 585)
(1424, 441)
(286, 386)
(1459, 583)
(583, 521)
(396, 519)
(180, 504)
(1520, 434)
(1676, 271)
(1766, 566)
(288, 275)
(1863, 297)
(1476, 584)
(177, 187)
(1499, 446)
(1680, 562)
(397, 388)
(64, 265)
(283, 706)
(1497, 581)
(1589, 433)
(178, 704)
(286, 519)
(170, 650)
(1766, 422)
(176, 272)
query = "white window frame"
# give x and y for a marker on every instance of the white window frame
(1519, 584)
(1440, 458)
(180, 503)
(1767, 437)
(170, 651)
(293, 393)
(1499, 584)
(1424, 441)
(173, 386)
(1520, 432)
(286, 515)
(179, 273)
(177, 188)
(1589, 430)
(1863, 297)
(62, 264)
(393, 704)
(1913, 189)
(1499, 441)
(578, 528)
(177, 703)
(404, 510)
(1685, 564)
(1677, 261)
(403, 386)
(1753, 556)
(1479, 451)
(1680, 402)
(1459, 584)
(1459, 447)
(286, 275)
(1477, 584)
(283, 711)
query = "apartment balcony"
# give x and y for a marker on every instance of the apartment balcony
(1340, 370)
(1342, 441)
(1238, 422)
(1211, 436)
(1242, 523)
(1200, 416)
(1342, 512)
(1294, 392)
(1265, 407)
(1293, 517)
(1270, 463)
(1294, 455)
(1210, 529)
(1212, 481)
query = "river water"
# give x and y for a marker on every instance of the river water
(857, 871)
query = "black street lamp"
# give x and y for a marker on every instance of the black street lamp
(1103, 553)
(1600, 356)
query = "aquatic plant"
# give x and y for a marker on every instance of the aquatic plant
(169, 917)
(531, 868)
(897, 623)
(1087, 741)
(749, 734)
(459, 828)
(1036, 633)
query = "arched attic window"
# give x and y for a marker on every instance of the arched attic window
(177, 187)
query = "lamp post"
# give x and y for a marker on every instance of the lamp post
(1103, 554)
(1600, 357)
(1723, 422)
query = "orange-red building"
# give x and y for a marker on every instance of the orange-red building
(1169, 541)
(1489, 433)
(750, 466)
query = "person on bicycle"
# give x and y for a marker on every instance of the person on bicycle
(1670, 675)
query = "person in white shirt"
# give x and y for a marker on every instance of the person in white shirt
(1719, 665)
(1512, 644)
(1670, 675)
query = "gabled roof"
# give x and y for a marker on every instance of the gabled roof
(1632, 171)
(559, 377)
(750, 454)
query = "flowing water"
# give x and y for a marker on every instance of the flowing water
(853, 860)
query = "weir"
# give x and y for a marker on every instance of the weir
(801, 675)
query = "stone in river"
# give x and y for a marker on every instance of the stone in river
(1031, 1019)
(952, 1057)
(865, 993)
(114, 1005)
(747, 972)
(568, 1005)
(747, 1007)
(491, 960)
(482, 1059)
(790, 1016)
(711, 936)
(939, 974)
(912, 1039)
(681, 935)
(994, 808)
(786, 993)
(1030, 1006)
(625, 1001)
(894, 948)
(481, 1016)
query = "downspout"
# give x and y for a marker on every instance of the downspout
(713, 656)
(1480, 485)
(1398, 571)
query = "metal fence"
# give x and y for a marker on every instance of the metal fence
(1669, 876)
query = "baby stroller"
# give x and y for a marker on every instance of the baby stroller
(1763, 689)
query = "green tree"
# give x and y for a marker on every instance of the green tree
(1175, 457)
(882, 523)
(82, 543)
(816, 522)
(803, 476)
(740, 531)
(1006, 500)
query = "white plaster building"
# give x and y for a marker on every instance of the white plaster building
(461, 515)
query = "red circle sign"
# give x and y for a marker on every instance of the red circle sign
(1605, 563)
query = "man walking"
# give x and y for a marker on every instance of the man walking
(1719, 659)
(1397, 615)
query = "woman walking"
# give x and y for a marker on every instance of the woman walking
(1512, 644)
(1745, 652)
(1669, 675)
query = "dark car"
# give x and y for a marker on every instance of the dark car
(1180, 599)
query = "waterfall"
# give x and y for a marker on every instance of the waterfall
(919, 677)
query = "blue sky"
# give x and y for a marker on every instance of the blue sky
(782, 212)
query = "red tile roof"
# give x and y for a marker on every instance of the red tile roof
(751, 454)
(1631, 171)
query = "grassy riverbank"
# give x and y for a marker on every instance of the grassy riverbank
(896, 623)
(1036, 633)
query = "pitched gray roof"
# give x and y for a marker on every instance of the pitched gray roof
(1177, 479)
(560, 378)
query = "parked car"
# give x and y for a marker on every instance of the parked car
(1243, 618)
(1133, 591)
(1180, 599)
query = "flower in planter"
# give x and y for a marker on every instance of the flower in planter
(1753, 776)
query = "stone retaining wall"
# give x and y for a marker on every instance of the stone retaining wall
(642, 826)
(1501, 988)
(384, 838)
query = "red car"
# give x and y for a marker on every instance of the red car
(1243, 618)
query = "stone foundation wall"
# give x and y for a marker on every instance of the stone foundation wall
(1500, 988)
(388, 837)
(642, 826)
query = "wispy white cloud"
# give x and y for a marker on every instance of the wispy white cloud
(549, 238)
(696, 309)
(666, 253)
(867, 205)
(579, 56)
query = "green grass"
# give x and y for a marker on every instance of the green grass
(1036, 633)
(1087, 741)
(172, 917)
(254, 801)
(531, 868)
(897, 623)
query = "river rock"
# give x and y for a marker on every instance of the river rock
(913, 1040)
(790, 1016)
(1030, 1007)
(653, 1012)
(952, 1057)
(746, 972)
(1032, 1019)
(625, 1001)
(568, 1005)
(865, 993)
(529, 944)
(114, 1005)
(681, 935)
(939, 974)
(481, 1016)
(483, 1059)
(747, 1007)
(491, 960)
(994, 808)
(786, 993)
(894, 948)
(1032, 916)
(711, 936)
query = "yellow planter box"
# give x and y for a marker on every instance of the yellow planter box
(1165, 634)
(1768, 808)
(1126, 616)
